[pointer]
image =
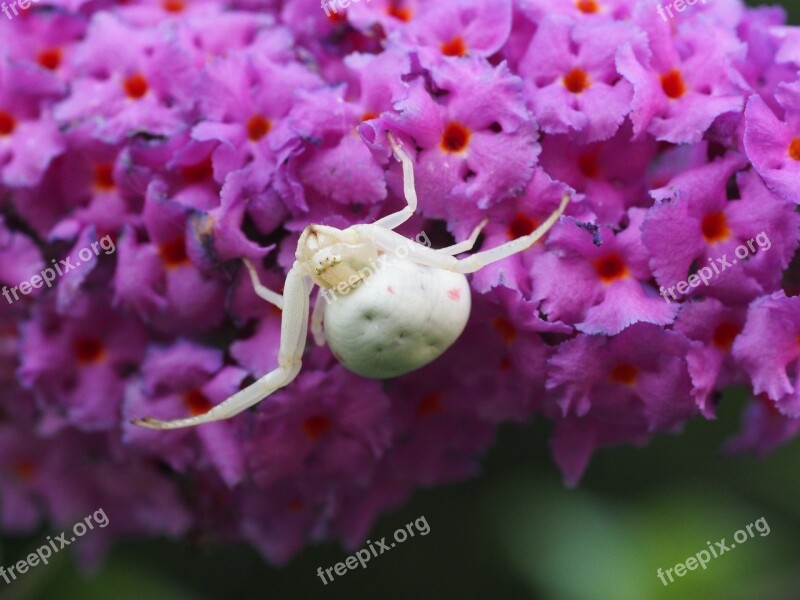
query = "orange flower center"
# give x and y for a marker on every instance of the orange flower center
(794, 149)
(521, 225)
(610, 267)
(317, 426)
(454, 47)
(673, 85)
(576, 81)
(25, 468)
(588, 6)
(136, 86)
(505, 328)
(104, 176)
(334, 16)
(715, 227)
(399, 12)
(431, 404)
(589, 165)
(173, 253)
(724, 335)
(7, 123)
(50, 58)
(88, 350)
(369, 115)
(258, 127)
(624, 373)
(196, 402)
(455, 138)
(198, 172)
(173, 6)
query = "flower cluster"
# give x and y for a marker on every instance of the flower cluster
(196, 133)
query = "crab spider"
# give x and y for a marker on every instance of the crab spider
(387, 320)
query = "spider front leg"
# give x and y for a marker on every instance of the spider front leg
(317, 318)
(487, 257)
(400, 217)
(260, 289)
(467, 244)
(294, 328)
(392, 242)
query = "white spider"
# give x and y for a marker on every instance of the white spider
(386, 321)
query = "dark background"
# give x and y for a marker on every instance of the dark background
(513, 533)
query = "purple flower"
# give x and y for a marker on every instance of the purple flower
(615, 390)
(129, 81)
(474, 117)
(464, 28)
(20, 258)
(681, 82)
(37, 479)
(598, 281)
(585, 10)
(509, 220)
(571, 80)
(696, 223)
(161, 279)
(75, 361)
(325, 433)
(764, 428)
(711, 363)
(773, 144)
(29, 136)
(608, 173)
(183, 380)
(769, 350)
(191, 135)
(765, 66)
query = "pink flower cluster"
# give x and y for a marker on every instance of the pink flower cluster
(195, 133)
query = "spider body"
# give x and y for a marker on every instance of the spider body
(398, 319)
(397, 304)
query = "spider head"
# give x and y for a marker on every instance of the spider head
(335, 257)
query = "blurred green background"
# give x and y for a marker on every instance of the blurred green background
(513, 533)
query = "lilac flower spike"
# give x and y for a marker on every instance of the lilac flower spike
(193, 134)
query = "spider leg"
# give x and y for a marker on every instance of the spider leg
(294, 327)
(401, 216)
(260, 289)
(394, 243)
(317, 317)
(467, 244)
(487, 257)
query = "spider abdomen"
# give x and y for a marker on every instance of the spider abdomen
(398, 319)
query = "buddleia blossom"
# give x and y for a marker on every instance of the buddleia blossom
(189, 135)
